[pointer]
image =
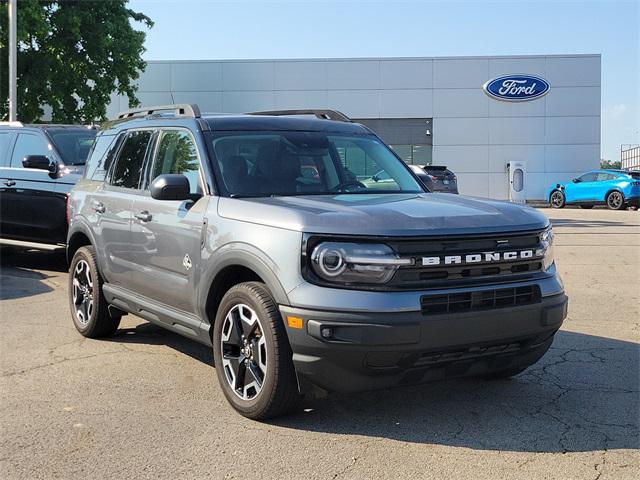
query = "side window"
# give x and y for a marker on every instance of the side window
(588, 177)
(176, 153)
(128, 167)
(28, 144)
(4, 145)
(97, 165)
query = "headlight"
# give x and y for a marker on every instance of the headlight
(346, 263)
(546, 245)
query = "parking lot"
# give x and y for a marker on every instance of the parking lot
(146, 403)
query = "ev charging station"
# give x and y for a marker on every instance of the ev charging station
(516, 171)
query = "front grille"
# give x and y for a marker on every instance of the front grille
(418, 276)
(479, 300)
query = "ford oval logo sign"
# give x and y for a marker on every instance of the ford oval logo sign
(516, 88)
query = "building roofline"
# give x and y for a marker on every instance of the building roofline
(354, 59)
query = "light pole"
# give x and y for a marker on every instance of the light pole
(13, 70)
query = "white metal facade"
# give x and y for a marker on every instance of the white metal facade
(557, 135)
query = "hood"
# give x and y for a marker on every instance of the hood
(384, 214)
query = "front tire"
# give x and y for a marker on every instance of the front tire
(615, 200)
(252, 354)
(557, 199)
(89, 308)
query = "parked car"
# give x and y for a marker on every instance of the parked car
(207, 226)
(436, 178)
(617, 189)
(39, 164)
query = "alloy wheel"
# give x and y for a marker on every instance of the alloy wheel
(614, 201)
(244, 351)
(556, 199)
(83, 292)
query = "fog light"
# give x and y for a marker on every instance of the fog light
(326, 332)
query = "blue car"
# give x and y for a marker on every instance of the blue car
(617, 189)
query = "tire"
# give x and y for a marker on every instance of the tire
(557, 199)
(504, 374)
(615, 201)
(249, 332)
(89, 309)
(586, 207)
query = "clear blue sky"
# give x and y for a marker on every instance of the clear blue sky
(192, 29)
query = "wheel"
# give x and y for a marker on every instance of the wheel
(504, 374)
(615, 200)
(586, 207)
(557, 199)
(89, 309)
(252, 354)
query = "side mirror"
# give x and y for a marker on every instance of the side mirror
(576, 180)
(375, 178)
(170, 186)
(41, 162)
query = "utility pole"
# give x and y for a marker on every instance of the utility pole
(13, 64)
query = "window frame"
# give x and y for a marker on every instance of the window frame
(107, 179)
(151, 159)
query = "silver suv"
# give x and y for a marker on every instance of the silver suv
(257, 235)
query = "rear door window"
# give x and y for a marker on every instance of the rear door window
(128, 168)
(28, 144)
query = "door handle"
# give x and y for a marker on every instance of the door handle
(10, 183)
(143, 216)
(99, 207)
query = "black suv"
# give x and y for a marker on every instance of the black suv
(437, 178)
(39, 164)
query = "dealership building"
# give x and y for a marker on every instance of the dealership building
(430, 110)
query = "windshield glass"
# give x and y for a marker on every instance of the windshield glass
(73, 145)
(259, 164)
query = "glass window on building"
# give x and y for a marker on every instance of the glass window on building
(414, 154)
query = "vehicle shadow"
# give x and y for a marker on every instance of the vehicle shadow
(582, 396)
(572, 222)
(17, 280)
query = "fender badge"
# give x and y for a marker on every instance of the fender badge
(186, 262)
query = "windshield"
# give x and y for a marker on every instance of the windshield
(259, 164)
(73, 145)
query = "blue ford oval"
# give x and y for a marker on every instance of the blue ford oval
(516, 88)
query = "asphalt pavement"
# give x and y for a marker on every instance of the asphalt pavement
(146, 403)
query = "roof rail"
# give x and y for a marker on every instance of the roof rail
(11, 124)
(322, 114)
(179, 110)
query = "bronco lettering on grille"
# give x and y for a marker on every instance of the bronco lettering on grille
(484, 257)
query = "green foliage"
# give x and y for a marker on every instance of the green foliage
(72, 54)
(617, 164)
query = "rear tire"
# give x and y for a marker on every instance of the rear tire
(615, 201)
(89, 309)
(252, 354)
(557, 199)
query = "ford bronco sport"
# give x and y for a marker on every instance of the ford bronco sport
(207, 226)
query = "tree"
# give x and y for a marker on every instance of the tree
(72, 54)
(615, 164)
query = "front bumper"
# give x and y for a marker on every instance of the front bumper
(378, 350)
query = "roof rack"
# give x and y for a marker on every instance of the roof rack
(179, 110)
(322, 114)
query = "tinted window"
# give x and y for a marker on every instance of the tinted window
(28, 144)
(73, 145)
(603, 177)
(128, 168)
(100, 157)
(4, 144)
(588, 177)
(177, 154)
